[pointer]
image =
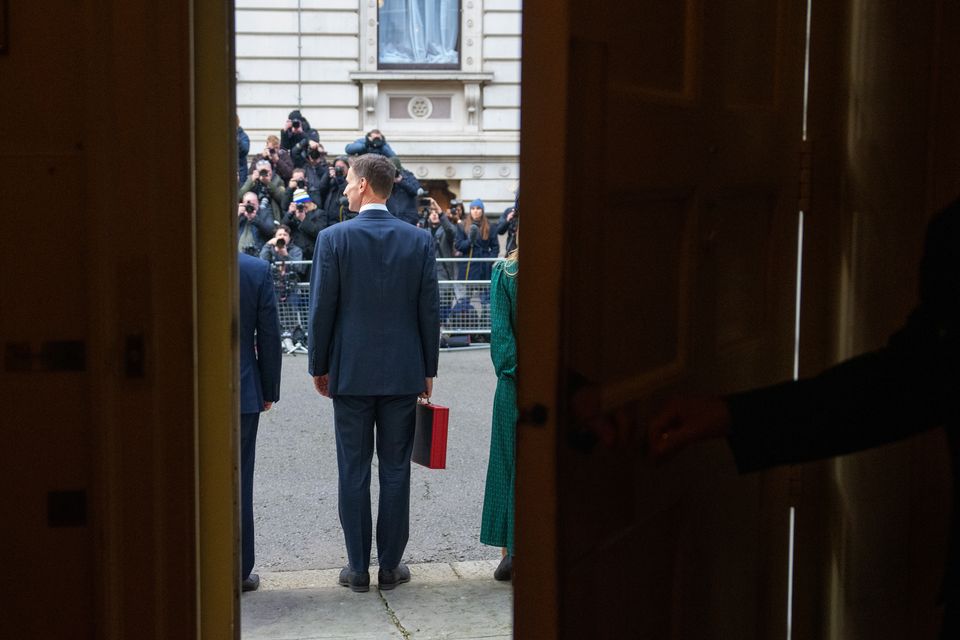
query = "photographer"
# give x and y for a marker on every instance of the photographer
(296, 129)
(374, 142)
(254, 224)
(402, 202)
(267, 186)
(298, 180)
(508, 225)
(444, 233)
(305, 221)
(278, 157)
(332, 184)
(279, 250)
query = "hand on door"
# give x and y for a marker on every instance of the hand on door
(685, 420)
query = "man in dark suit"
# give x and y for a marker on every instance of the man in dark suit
(906, 387)
(259, 386)
(374, 347)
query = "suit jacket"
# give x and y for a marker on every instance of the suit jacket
(906, 387)
(260, 349)
(374, 307)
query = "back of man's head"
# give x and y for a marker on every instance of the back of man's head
(379, 172)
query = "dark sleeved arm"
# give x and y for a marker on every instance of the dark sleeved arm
(429, 311)
(268, 339)
(873, 399)
(463, 241)
(324, 297)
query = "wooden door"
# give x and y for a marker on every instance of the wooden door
(660, 163)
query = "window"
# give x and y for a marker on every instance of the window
(419, 34)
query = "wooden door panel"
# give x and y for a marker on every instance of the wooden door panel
(678, 273)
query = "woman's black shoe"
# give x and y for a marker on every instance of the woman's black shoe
(504, 570)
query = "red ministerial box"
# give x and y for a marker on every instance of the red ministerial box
(430, 437)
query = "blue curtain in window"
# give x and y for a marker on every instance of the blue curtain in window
(420, 32)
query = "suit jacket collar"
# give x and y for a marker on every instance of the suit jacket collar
(374, 211)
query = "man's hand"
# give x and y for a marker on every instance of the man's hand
(241, 210)
(322, 385)
(435, 208)
(332, 171)
(510, 215)
(399, 178)
(429, 390)
(267, 406)
(685, 420)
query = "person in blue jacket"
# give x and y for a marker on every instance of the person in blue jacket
(373, 142)
(259, 387)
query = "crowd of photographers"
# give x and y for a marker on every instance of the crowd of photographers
(290, 191)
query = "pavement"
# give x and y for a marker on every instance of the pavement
(452, 594)
(449, 601)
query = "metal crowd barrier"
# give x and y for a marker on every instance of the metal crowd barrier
(464, 304)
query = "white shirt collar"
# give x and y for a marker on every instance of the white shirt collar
(373, 205)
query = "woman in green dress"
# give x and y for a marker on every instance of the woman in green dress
(497, 525)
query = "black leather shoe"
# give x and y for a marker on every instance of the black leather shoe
(504, 570)
(389, 578)
(250, 583)
(358, 581)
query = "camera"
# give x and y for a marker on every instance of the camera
(281, 243)
(314, 154)
(376, 143)
(301, 183)
(263, 173)
(299, 206)
(249, 208)
(251, 250)
(338, 170)
(272, 151)
(423, 203)
(295, 124)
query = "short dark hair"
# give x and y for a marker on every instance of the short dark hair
(284, 228)
(378, 170)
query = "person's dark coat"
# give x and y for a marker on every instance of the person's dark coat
(304, 234)
(374, 307)
(243, 148)
(288, 140)
(403, 200)
(471, 245)
(259, 336)
(444, 235)
(331, 189)
(505, 227)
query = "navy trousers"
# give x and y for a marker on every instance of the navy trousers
(395, 420)
(248, 453)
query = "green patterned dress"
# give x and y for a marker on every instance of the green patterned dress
(496, 527)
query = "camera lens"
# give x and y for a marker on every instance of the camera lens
(295, 123)
(299, 206)
(263, 173)
(249, 208)
(301, 183)
(281, 243)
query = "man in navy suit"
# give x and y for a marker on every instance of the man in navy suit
(374, 347)
(259, 387)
